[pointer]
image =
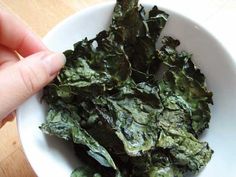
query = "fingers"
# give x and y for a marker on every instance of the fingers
(15, 35)
(21, 80)
(7, 57)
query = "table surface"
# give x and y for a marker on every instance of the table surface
(41, 15)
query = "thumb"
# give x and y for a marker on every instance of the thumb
(21, 80)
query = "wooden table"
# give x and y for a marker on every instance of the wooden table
(40, 16)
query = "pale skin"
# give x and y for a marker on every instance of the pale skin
(26, 65)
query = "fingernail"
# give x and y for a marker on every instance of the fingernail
(54, 62)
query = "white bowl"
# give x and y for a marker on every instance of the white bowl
(50, 156)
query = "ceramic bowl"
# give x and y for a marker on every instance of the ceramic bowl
(50, 156)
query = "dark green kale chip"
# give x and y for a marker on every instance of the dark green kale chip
(131, 109)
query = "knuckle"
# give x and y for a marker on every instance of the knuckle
(28, 77)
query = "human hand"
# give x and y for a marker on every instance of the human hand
(26, 65)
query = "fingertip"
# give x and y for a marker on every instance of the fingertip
(54, 62)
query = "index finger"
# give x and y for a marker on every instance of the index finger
(16, 36)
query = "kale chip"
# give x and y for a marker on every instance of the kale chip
(131, 109)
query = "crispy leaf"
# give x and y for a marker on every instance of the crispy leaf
(131, 109)
(84, 172)
(65, 125)
(184, 147)
(185, 82)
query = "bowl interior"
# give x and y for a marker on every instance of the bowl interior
(50, 156)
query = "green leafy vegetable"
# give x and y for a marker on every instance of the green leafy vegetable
(131, 109)
(85, 172)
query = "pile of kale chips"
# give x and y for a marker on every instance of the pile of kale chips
(130, 109)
